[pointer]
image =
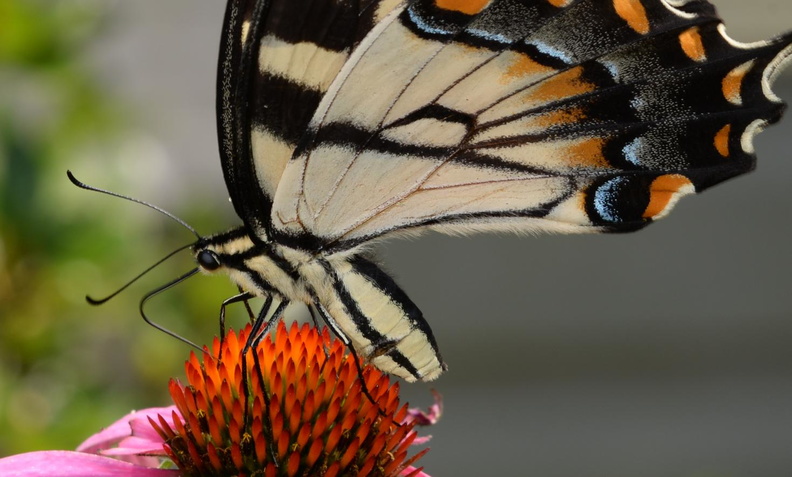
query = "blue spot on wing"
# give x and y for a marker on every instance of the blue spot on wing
(606, 199)
(421, 24)
(632, 151)
(552, 51)
(620, 202)
(495, 37)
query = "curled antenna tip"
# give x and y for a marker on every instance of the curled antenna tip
(93, 301)
(74, 179)
(85, 186)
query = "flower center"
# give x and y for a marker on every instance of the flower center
(293, 406)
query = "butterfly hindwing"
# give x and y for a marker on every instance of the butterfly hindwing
(571, 116)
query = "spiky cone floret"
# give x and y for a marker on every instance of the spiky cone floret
(298, 410)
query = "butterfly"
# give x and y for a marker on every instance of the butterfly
(343, 122)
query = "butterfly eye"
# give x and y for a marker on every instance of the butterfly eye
(208, 260)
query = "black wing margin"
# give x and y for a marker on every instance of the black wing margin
(233, 116)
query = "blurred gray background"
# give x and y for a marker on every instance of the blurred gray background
(661, 353)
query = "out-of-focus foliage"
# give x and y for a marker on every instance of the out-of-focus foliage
(67, 368)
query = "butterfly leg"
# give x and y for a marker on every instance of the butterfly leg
(157, 291)
(340, 335)
(243, 297)
(260, 327)
(251, 315)
(313, 312)
(263, 324)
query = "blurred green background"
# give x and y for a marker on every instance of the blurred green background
(662, 353)
(67, 369)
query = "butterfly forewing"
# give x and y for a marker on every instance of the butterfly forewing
(574, 116)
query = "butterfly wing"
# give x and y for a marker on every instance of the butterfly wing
(544, 115)
(342, 121)
(277, 59)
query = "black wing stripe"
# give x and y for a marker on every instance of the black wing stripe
(340, 134)
(280, 117)
(325, 23)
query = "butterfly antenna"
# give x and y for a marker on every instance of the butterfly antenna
(83, 185)
(94, 301)
(156, 292)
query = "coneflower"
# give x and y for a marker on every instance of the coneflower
(298, 409)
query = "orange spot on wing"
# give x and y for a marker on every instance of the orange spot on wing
(563, 85)
(663, 191)
(732, 83)
(722, 140)
(524, 65)
(587, 153)
(468, 7)
(559, 3)
(555, 118)
(634, 13)
(691, 43)
(582, 200)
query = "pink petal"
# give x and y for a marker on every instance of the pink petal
(134, 446)
(141, 427)
(421, 440)
(74, 464)
(414, 472)
(422, 418)
(125, 427)
(144, 440)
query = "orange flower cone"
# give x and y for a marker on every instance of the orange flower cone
(295, 409)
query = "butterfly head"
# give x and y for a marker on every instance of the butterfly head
(254, 266)
(208, 260)
(223, 252)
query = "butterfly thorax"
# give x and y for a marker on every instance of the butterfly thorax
(258, 267)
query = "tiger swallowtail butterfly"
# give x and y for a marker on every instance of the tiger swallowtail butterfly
(342, 122)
